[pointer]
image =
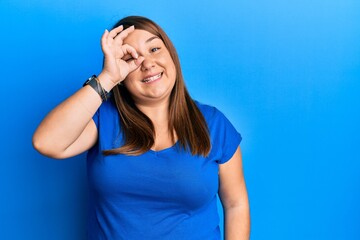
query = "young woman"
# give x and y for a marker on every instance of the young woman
(156, 158)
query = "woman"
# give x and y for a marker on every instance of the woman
(156, 157)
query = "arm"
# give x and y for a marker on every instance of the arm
(68, 129)
(234, 198)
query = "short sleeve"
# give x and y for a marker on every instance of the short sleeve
(226, 138)
(106, 119)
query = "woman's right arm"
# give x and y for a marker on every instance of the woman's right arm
(68, 129)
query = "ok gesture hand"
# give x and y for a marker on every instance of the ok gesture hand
(115, 68)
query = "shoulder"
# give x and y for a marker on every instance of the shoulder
(106, 112)
(215, 119)
(208, 111)
(224, 137)
(108, 107)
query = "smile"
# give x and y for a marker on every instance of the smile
(152, 79)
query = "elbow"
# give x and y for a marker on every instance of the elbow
(236, 204)
(44, 148)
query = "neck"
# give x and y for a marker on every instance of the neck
(157, 112)
(159, 115)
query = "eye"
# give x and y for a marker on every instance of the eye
(127, 58)
(155, 49)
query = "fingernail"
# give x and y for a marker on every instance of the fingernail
(106, 30)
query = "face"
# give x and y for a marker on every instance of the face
(154, 79)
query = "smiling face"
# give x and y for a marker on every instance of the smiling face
(154, 79)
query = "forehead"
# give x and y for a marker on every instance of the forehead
(140, 37)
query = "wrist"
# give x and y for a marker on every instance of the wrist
(106, 82)
(94, 82)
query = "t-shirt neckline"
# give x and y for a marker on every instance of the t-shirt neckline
(164, 150)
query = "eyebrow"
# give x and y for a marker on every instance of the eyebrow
(152, 38)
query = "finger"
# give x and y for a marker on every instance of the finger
(116, 31)
(104, 40)
(124, 33)
(134, 64)
(129, 50)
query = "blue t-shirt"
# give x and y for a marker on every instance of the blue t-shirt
(166, 194)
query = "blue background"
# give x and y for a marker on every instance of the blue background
(285, 72)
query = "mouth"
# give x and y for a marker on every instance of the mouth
(152, 78)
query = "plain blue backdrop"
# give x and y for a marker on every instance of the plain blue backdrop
(285, 72)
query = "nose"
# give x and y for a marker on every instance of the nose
(147, 64)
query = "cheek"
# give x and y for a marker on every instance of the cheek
(130, 79)
(130, 85)
(170, 64)
(173, 70)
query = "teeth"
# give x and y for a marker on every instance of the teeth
(153, 78)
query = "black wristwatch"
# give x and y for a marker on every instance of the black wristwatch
(93, 81)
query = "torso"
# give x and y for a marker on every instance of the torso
(165, 193)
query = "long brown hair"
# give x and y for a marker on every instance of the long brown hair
(184, 116)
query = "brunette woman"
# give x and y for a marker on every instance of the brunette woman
(156, 158)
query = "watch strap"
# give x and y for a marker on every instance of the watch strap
(94, 82)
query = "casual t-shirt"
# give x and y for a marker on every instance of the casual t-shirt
(166, 194)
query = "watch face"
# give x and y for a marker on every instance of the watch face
(88, 80)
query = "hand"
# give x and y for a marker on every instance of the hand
(115, 68)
